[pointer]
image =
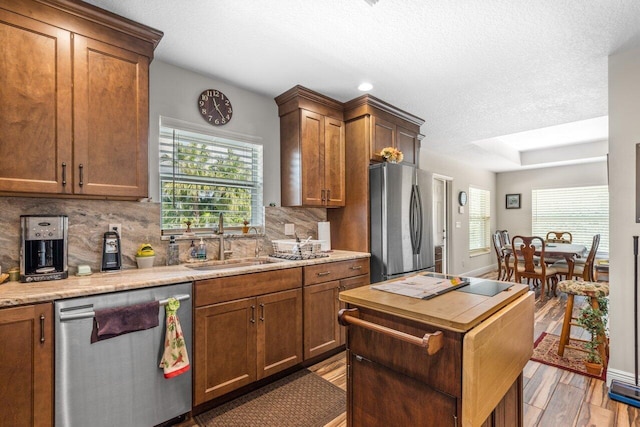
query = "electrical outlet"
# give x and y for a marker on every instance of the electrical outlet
(289, 229)
(117, 228)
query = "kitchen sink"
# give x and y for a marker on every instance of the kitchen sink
(232, 263)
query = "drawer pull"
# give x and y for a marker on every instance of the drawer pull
(323, 273)
(431, 342)
(356, 267)
(42, 328)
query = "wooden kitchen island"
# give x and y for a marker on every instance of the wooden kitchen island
(453, 360)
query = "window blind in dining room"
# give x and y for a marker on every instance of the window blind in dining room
(583, 211)
(479, 221)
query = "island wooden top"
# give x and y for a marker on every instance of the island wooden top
(455, 311)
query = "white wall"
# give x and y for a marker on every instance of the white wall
(518, 221)
(463, 176)
(624, 134)
(173, 92)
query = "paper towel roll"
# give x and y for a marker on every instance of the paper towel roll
(324, 233)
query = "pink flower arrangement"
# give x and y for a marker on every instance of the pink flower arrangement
(391, 154)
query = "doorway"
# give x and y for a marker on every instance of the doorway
(441, 221)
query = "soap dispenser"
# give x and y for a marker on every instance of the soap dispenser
(193, 251)
(173, 253)
(202, 250)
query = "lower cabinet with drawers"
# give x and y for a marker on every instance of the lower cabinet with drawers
(322, 284)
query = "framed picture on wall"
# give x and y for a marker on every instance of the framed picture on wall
(513, 201)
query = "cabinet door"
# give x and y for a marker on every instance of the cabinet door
(383, 135)
(312, 141)
(334, 164)
(111, 120)
(279, 331)
(382, 397)
(409, 144)
(321, 328)
(345, 285)
(26, 370)
(35, 106)
(224, 348)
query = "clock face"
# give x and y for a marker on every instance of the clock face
(462, 198)
(215, 107)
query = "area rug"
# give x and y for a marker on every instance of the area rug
(300, 399)
(546, 351)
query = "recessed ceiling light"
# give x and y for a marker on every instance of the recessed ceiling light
(364, 87)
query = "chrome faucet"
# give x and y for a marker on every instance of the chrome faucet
(257, 251)
(221, 224)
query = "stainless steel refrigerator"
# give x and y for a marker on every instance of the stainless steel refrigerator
(401, 220)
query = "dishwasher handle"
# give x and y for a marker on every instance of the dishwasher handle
(90, 314)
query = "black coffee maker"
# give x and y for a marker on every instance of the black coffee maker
(43, 250)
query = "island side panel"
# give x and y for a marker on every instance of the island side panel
(494, 355)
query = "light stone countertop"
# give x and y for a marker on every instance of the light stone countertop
(17, 293)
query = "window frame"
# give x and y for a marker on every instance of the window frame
(573, 209)
(228, 138)
(483, 247)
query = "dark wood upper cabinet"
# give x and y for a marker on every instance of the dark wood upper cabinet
(387, 126)
(312, 147)
(370, 125)
(76, 95)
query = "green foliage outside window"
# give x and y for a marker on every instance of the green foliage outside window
(199, 180)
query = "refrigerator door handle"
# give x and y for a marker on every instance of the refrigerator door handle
(415, 219)
(418, 214)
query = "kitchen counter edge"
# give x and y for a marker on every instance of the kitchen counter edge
(16, 293)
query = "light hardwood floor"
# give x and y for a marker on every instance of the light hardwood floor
(552, 397)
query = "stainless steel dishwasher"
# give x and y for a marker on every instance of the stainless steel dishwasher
(117, 382)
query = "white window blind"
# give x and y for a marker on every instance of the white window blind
(479, 220)
(583, 211)
(203, 174)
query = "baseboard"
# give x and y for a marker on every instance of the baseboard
(480, 271)
(622, 376)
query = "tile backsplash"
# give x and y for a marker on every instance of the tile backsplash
(89, 220)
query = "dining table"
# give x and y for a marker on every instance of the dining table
(569, 251)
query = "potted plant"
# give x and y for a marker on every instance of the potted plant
(594, 320)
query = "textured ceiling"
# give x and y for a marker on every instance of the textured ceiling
(474, 70)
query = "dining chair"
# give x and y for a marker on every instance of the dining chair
(584, 267)
(505, 268)
(504, 237)
(559, 237)
(529, 262)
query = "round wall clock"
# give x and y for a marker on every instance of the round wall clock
(462, 198)
(215, 107)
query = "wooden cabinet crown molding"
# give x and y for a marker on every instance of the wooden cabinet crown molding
(368, 104)
(73, 15)
(301, 97)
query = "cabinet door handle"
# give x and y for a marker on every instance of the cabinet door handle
(81, 167)
(432, 343)
(253, 314)
(262, 312)
(64, 174)
(322, 196)
(42, 328)
(356, 267)
(323, 273)
(328, 196)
